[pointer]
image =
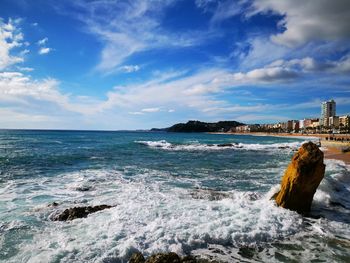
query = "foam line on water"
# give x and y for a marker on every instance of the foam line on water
(165, 145)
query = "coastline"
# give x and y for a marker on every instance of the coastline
(331, 149)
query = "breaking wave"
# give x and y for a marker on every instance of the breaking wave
(165, 145)
(150, 216)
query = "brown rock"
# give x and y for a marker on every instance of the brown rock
(137, 258)
(78, 212)
(301, 179)
(170, 257)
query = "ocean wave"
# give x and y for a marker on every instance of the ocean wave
(163, 144)
(334, 190)
(151, 217)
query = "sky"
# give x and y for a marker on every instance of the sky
(138, 64)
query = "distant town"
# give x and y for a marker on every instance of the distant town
(327, 123)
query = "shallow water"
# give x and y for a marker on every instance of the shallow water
(186, 193)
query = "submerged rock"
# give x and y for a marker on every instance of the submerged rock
(169, 257)
(301, 179)
(78, 212)
(208, 194)
(53, 204)
(225, 145)
(83, 188)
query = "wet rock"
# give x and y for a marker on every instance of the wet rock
(210, 195)
(170, 257)
(83, 188)
(137, 258)
(301, 179)
(283, 147)
(191, 259)
(53, 204)
(345, 149)
(225, 145)
(78, 212)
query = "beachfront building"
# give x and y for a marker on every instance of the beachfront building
(287, 126)
(315, 123)
(243, 128)
(307, 123)
(295, 125)
(344, 121)
(327, 110)
(301, 124)
(248, 128)
(333, 122)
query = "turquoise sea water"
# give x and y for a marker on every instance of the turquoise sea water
(185, 193)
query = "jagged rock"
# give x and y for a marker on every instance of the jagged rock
(225, 145)
(301, 179)
(170, 257)
(53, 204)
(137, 258)
(192, 259)
(78, 212)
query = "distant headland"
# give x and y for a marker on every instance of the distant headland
(198, 126)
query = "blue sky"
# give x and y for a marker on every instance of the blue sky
(140, 64)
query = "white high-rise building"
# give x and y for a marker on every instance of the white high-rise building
(327, 110)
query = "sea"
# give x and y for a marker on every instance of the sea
(207, 195)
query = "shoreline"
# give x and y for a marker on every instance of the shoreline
(331, 149)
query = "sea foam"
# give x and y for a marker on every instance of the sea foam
(165, 145)
(151, 218)
(152, 214)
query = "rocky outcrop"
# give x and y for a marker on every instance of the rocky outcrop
(199, 126)
(137, 258)
(169, 257)
(301, 179)
(78, 212)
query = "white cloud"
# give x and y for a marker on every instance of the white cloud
(251, 118)
(266, 75)
(132, 27)
(21, 91)
(130, 68)
(44, 50)
(221, 9)
(225, 10)
(11, 38)
(306, 21)
(136, 113)
(238, 108)
(261, 51)
(43, 41)
(150, 110)
(26, 69)
(308, 64)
